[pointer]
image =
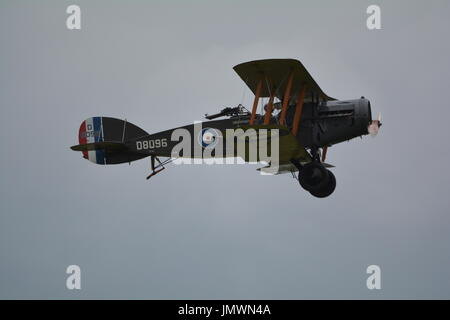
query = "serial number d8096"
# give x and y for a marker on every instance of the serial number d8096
(151, 144)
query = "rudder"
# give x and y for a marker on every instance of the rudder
(99, 138)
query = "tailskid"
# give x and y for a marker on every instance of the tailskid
(159, 167)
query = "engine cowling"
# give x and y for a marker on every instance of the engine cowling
(332, 122)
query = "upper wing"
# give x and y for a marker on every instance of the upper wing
(276, 72)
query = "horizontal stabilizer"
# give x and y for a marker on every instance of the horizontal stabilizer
(105, 145)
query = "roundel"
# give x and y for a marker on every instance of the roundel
(208, 137)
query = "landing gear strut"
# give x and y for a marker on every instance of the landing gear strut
(315, 178)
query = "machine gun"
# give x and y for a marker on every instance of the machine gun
(229, 112)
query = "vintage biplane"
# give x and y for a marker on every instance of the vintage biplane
(308, 122)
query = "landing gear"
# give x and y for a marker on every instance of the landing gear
(315, 178)
(327, 189)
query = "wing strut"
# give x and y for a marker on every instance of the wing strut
(255, 102)
(298, 109)
(286, 98)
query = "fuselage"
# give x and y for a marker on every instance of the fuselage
(322, 124)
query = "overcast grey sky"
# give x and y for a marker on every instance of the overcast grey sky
(220, 231)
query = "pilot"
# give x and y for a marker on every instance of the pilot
(276, 106)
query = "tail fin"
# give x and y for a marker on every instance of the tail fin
(102, 140)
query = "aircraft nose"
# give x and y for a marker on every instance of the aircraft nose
(374, 126)
(364, 117)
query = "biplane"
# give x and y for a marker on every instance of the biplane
(308, 123)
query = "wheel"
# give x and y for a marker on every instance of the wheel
(328, 189)
(313, 177)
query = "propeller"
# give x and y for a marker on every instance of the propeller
(374, 126)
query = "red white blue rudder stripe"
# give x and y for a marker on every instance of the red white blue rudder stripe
(91, 130)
